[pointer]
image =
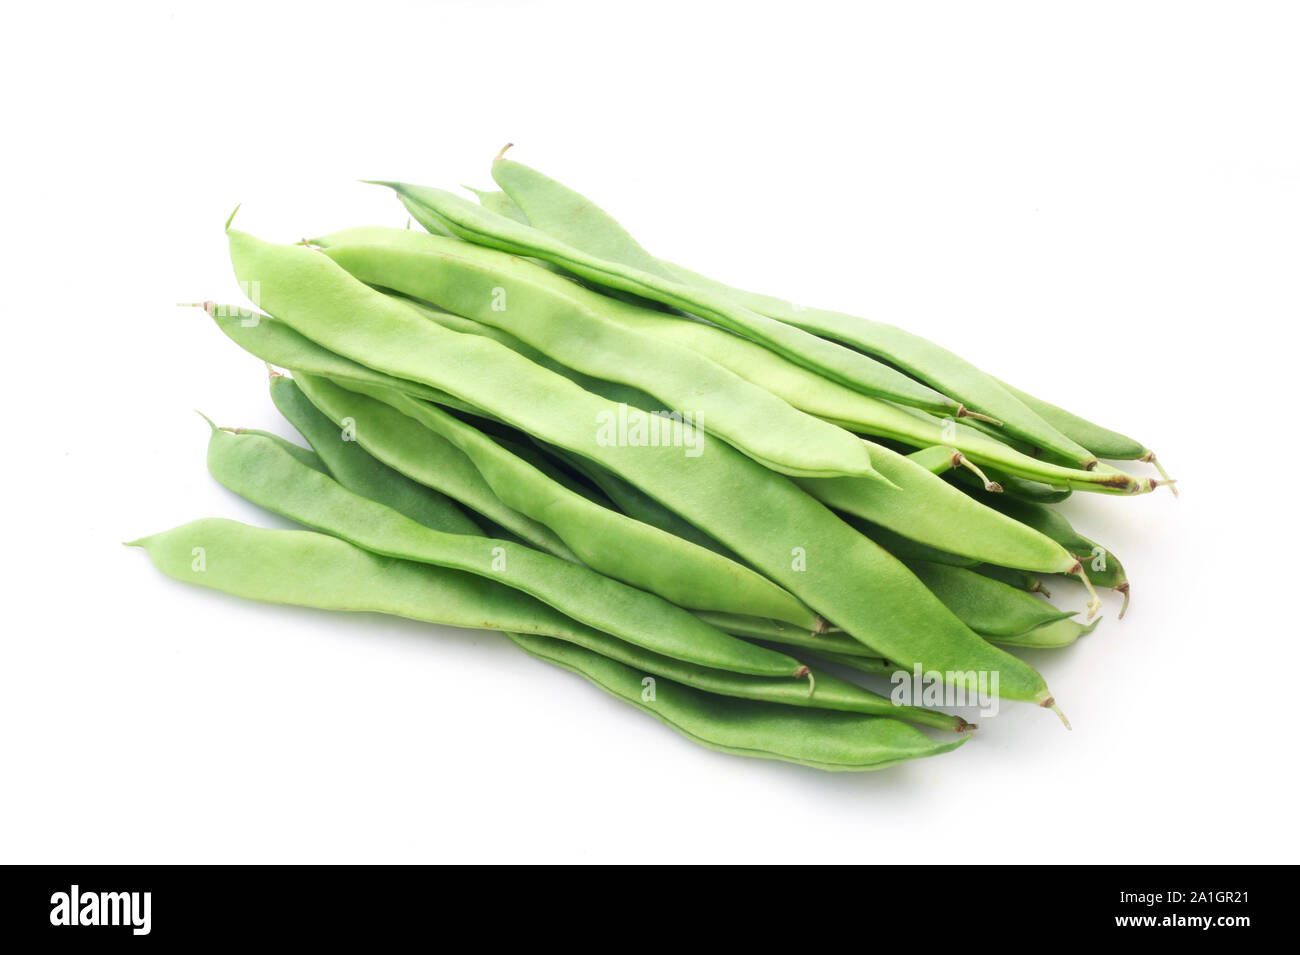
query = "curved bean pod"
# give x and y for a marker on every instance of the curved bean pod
(829, 693)
(760, 515)
(263, 473)
(277, 344)
(564, 321)
(810, 392)
(429, 459)
(641, 506)
(555, 209)
(1100, 441)
(819, 739)
(305, 456)
(677, 570)
(484, 227)
(1049, 636)
(931, 511)
(1103, 567)
(360, 472)
(308, 569)
(987, 606)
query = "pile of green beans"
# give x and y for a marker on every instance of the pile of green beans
(733, 512)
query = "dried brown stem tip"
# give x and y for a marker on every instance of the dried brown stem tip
(1123, 588)
(964, 412)
(1150, 458)
(1050, 704)
(1094, 602)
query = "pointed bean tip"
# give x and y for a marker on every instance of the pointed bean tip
(501, 155)
(206, 418)
(1123, 589)
(1050, 704)
(232, 217)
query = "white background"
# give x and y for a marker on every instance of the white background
(1100, 202)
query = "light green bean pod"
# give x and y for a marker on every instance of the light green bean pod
(433, 461)
(484, 227)
(392, 426)
(277, 344)
(927, 509)
(309, 569)
(566, 322)
(987, 606)
(808, 391)
(362, 473)
(1100, 441)
(306, 456)
(265, 474)
(576, 221)
(636, 504)
(760, 515)
(1049, 636)
(819, 739)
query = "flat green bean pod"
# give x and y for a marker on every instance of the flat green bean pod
(309, 569)
(277, 344)
(265, 474)
(484, 227)
(929, 510)
(566, 322)
(305, 456)
(576, 221)
(1103, 567)
(431, 460)
(817, 738)
(1100, 441)
(360, 472)
(924, 512)
(987, 606)
(829, 693)
(636, 504)
(808, 391)
(1048, 636)
(677, 570)
(760, 515)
